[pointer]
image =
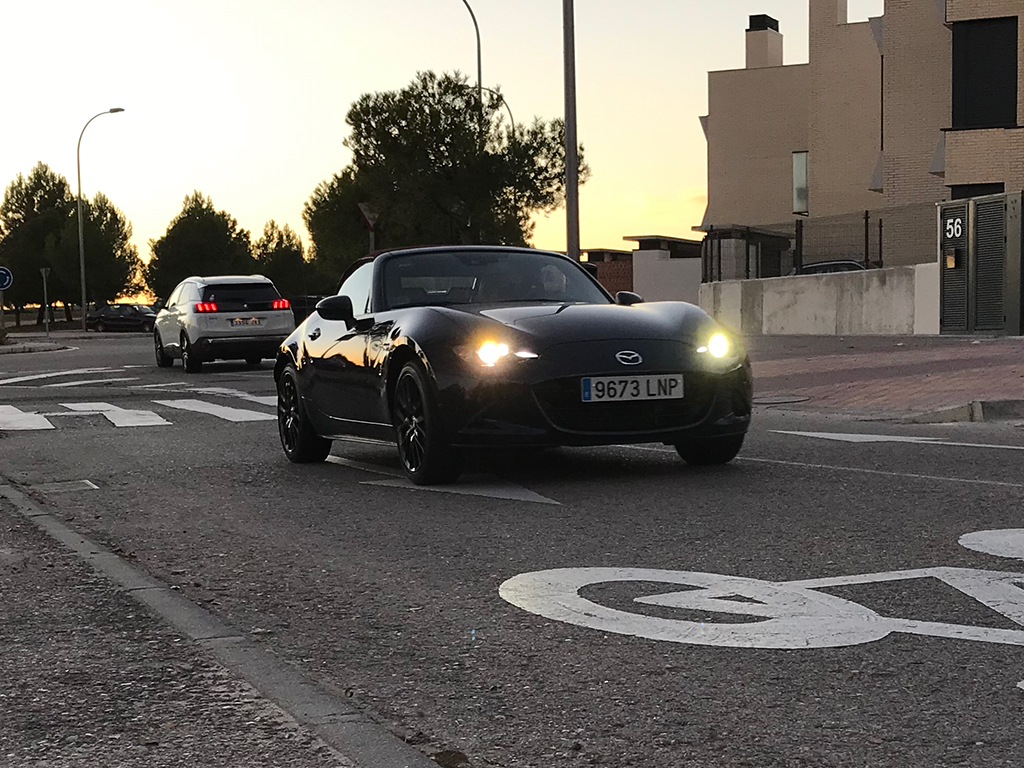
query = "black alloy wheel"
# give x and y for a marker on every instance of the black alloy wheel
(426, 457)
(100, 327)
(300, 441)
(710, 450)
(188, 357)
(163, 360)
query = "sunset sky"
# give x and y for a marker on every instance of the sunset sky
(246, 100)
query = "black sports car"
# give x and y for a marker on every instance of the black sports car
(445, 349)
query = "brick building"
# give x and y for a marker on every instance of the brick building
(887, 118)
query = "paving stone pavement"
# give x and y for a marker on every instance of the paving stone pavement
(897, 374)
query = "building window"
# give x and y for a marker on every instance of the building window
(964, 191)
(801, 201)
(985, 73)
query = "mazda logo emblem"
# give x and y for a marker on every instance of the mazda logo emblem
(627, 357)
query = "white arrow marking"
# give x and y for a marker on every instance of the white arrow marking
(120, 417)
(37, 376)
(220, 411)
(859, 438)
(13, 419)
(90, 381)
(488, 486)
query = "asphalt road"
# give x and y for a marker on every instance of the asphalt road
(898, 646)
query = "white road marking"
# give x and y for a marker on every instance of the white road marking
(226, 392)
(90, 381)
(66, 487)
(488, 486)
(859, 438)
(120, 417)
(13, 419)
(54, 374)
(1005, 543)
(157, 386)
(220, 411)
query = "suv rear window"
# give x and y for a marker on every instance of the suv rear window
(236, 296)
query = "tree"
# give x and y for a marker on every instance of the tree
(440, 167)
(279, 255)
(33, 214)
(199, 241)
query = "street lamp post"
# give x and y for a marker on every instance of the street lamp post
(572, 202)
(479, 59)
(81, 228)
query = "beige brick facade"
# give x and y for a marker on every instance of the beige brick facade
(876, 92)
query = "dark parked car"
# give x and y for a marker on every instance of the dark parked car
(447, 349)
(827, 267)
(121, 317)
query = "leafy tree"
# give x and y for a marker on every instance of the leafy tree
(39, 228)
(199, 241)
(280, 256)
(34, 211)
(440, 167)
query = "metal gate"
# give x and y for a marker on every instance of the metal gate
(980, 265)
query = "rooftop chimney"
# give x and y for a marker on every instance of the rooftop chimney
(764, 43)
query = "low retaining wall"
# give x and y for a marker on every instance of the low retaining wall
(895, 301)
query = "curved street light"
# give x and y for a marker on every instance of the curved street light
(81, 235)
(479, 60)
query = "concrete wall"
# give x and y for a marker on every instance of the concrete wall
(657, 277)
(895, 301)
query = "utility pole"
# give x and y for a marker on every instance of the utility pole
(572, 162)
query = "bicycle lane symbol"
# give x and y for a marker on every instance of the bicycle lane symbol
(787, 615)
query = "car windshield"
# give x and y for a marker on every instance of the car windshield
(486, 277)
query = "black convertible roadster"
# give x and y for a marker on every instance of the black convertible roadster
(463, 347)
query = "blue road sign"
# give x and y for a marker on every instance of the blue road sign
(6, 278)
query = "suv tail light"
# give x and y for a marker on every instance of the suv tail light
(281, 304)
(206, 306)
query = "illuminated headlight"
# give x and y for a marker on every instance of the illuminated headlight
(490, 352)
(718, 345)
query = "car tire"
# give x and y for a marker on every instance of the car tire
(252, 362)
(424, 453)
(301, 443)
(163, 360)
(100, 327)
(188, 357)
(710, 450)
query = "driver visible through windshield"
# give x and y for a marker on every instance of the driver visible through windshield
(482, 277)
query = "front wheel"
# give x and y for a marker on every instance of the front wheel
(100, 327)
(301, 443)
(426, 457)
(710, 450)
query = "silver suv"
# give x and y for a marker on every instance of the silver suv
(221, 318)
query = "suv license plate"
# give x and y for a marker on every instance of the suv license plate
(246, 321)
(603, 389)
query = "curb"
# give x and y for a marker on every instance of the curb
(974, 411)
(42, 346)
(346, 729)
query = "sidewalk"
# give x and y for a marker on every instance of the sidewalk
(886, 375)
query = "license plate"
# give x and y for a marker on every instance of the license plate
(246, 321)
(602, 389)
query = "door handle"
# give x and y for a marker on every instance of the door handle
(314, 334)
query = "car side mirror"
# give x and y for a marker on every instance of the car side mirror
(628, 298)
(337, 308)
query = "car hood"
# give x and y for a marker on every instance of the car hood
(550, 324)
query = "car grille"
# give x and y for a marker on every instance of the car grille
(560, 401)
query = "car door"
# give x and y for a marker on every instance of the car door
(168, 322)
(338, 380)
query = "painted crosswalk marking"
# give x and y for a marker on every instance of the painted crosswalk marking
(120, 417)
(226, 392)
(54, 374)
(13, 419)
(220, 411)
(90, 381)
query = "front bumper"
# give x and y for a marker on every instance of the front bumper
(522, 411)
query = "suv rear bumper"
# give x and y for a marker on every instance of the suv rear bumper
(237, 348)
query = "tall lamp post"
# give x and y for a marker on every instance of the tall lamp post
(572, 163)
(479, 59)
(81, 228)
